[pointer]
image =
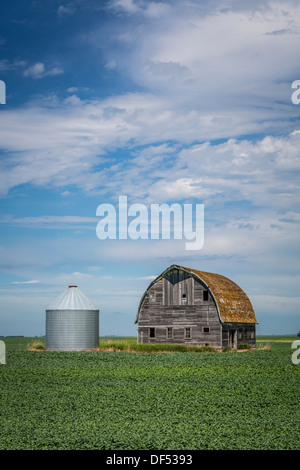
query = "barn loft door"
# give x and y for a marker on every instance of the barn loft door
(178, 288)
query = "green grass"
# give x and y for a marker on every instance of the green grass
(131, 345)
(277, 339)
(140, 401)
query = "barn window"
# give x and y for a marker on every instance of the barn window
(169, 333)
(205, 295)
(152, 332)
(183, 299)
(205, 329)
(188, 333)
(152, 296)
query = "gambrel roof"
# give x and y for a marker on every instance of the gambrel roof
(232, 303)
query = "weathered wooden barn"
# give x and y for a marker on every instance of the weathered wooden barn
(188, 306)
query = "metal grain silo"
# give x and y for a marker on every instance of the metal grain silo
(72, 322)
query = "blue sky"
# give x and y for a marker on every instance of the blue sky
(165, 102)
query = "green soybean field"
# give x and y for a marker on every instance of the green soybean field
(108, 400)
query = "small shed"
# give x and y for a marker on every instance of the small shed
(184, 305)
(72, 322)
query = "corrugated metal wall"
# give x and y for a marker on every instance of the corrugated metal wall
(72, 330)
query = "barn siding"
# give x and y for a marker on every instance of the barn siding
(163, 308)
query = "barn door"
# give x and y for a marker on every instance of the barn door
(233, 339)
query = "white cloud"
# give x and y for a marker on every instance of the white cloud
(145, 8)
(64, 146)
(38, 70)
(128, 6)
(72, 89)
(26, 282)
(212, 58)
(110, 65)
(148, 278)
(65, 10)
(5, 65)
(73, 100)
(50, 221)
(76, 276)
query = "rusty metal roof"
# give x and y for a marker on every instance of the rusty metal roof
(233, 303)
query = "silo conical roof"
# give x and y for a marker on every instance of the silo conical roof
(72, 299)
